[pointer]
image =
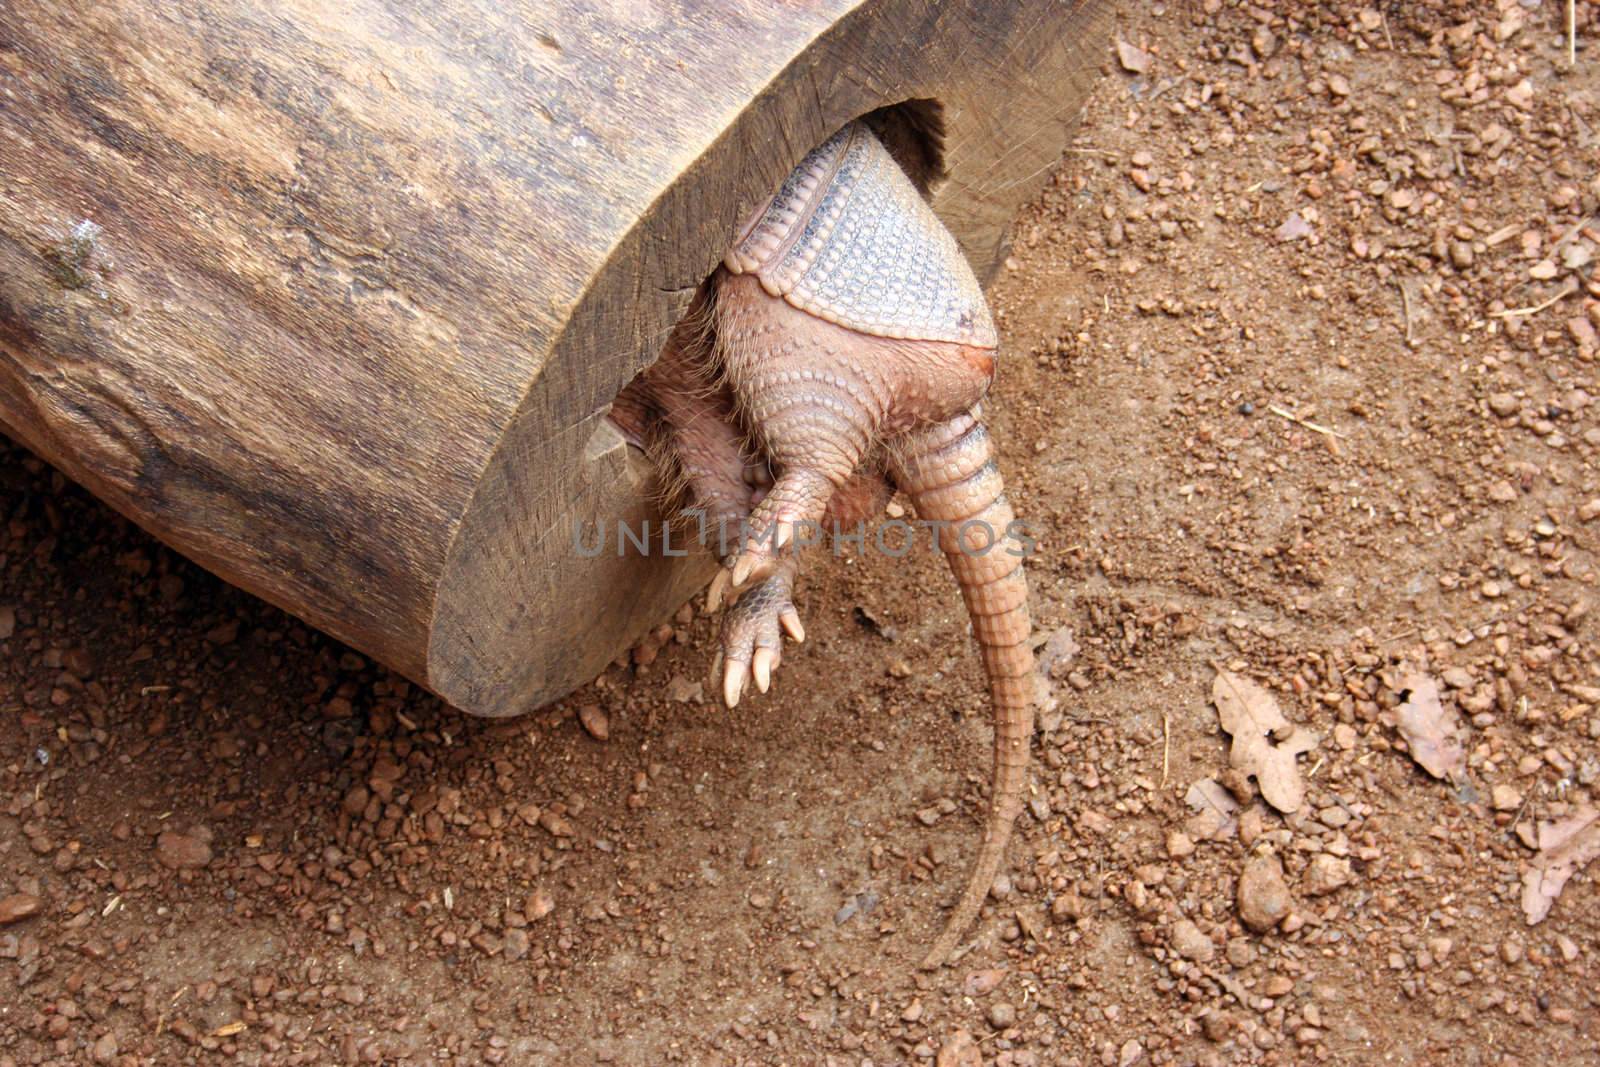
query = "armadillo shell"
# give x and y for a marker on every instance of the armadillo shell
(848, 238)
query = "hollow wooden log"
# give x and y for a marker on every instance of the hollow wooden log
(334, 299)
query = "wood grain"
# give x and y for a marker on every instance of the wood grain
(333, 298)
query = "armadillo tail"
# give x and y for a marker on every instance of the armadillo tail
(949, 472)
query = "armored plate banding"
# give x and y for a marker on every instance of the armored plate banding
(848, 238)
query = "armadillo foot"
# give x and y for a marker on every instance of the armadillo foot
(753, 630)
(751, 644)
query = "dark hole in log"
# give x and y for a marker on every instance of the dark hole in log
(913, 131)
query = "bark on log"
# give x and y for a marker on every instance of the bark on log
(334, 298)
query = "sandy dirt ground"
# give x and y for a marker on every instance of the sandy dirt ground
(1299, 396)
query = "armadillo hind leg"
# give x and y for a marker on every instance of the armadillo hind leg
(679, 412)
(754, 626)
(949, 472)
(844, 313)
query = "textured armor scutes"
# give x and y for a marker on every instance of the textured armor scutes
(849, 239)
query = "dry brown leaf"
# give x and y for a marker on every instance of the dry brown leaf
(1216, 812)
(1251, 717)
(1294, 227)
(1134, 60)
(1432, 731)
(1564, 848)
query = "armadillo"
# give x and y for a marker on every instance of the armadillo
(843, 349)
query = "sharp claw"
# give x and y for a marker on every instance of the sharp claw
(790, 621)
(715, 591)
(783, 535)
(742, 568)
(733, 683)
(761, 667)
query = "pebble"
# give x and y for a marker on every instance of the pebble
(105, 1050)
(981, 983)
(516, 946)
(355, 801)
(183, 852)
(1326, 874)
(595, 721)
(1190, 943)
(1504, 405)
(17, 906)
(1502, 492)
(1002, 1015)
(1505, 797)
(1252, 824)
(538, 905)
(1068, 906)
(555, 825)
(684, 691)
(1263, 896)
(1179, 845)
(959, 1050)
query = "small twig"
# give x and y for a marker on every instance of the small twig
(1572, 231)
(1512, 829)
(161, 1020)
(1298, 421)
(1405, 306)
(1503, 234)
(1566, 290)
(1387, 36)
(1093, 152)
(1166, 746)
(1572, 34)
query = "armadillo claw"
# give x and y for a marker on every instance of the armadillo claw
(717, 590)
(733, 683)
(757, 561)
(752, 634)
